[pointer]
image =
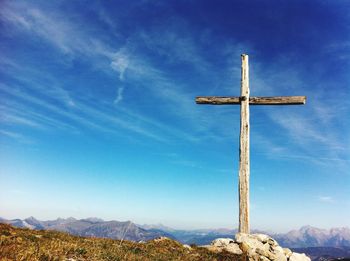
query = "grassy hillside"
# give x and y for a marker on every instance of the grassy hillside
(24, 244)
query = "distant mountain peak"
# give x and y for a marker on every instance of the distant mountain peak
(93, 219)
(159, 226)
(306, 227)
(31, 218)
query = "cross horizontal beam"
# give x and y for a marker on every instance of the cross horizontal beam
(276, 100)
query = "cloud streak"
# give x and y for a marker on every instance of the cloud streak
(55, 28)
(139, 73)
(119, 97)
(326, 199)
(17, 136)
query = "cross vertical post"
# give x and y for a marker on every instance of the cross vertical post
(244, 165)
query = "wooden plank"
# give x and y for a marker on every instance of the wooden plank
(217, 100)
(244, 166)
(277, 100)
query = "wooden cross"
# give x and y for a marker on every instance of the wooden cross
(244, 100)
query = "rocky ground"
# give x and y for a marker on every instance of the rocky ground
(257, 247)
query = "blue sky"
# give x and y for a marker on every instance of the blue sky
(98, 115)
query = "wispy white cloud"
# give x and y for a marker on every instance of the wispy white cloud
(10, 134)
(175, 158)
(104, 17)
(266, 143)
(326, 199)
(315, 159)
(51, 90)
(125, 61)
(30, 114)
(61, 94)
(8, 118)
(119, 95)
(340, 50)
(175, 95)
(164, 128)
(58, 32)
(311, 140)
(55, 28)
(34, 79)
(119, 122)
(187, 163)
(305, 131)
(17, 136)
(47, 106)
(105, 119)
(298, 126)
(120, 63)
(173, 42)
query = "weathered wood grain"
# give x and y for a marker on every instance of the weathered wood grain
(244, 166)
(277, 100)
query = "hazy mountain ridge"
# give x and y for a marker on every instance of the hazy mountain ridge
(92, 227)
(306, 236)
(309, 236)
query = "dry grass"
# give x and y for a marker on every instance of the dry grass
(24, 244)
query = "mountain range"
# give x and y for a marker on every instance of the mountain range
(91, 227)
(308, 236)
(318, 243)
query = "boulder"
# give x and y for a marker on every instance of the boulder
(299, 257)
(222, 242)
(187, 246)
(262, 237)
(227, 244)
(251, 240)
(287, 252)
(257, 247)
(234, 248)
(161, 239)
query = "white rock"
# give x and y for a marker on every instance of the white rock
(261, 237)
(222, 242)
(160, 239)
(265, 253)
(287, 252)
(280, 257)
(278, 253)
(234, 248)
(258, 247)
(278, 250)
(187, 246)
(250, 240)
(272, 242)
(267, 247)
(228, 244)
(299, 257)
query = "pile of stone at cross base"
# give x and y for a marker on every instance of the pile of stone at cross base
(257, 247)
